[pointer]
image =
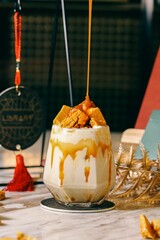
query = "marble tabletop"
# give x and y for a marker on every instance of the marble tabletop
(22, 212)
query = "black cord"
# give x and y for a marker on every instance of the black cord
(50, 76)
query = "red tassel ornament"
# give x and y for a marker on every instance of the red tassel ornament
(22, 181)
(17, 78)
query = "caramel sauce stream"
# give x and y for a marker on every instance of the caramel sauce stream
(89, 45)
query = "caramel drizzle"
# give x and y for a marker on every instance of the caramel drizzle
(87, 172)
(89, 45)
(72, 149)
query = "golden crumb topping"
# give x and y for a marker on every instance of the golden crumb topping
(85, 114)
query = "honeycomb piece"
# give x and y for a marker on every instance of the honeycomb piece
(156, 226)
(76, 119)
(2, 194)
(82, 119)
(94, 122)
(20, 236)
(85, 105)
(146, 228)
(61, 115)
(96, 116)
(23, 236)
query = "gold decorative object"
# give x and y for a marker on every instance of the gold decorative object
(138, 180)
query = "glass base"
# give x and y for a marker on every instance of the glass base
(82, 205)
(52, 205)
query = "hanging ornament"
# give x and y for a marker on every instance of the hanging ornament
(21, 112)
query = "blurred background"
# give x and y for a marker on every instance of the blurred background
(125, 40)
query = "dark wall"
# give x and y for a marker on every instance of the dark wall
(117, 78)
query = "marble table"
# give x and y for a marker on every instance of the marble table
(21, 211)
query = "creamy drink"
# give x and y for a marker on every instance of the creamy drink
(79, 166)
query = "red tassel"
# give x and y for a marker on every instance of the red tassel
(17, 80)
(22, 181)
(18, 31)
